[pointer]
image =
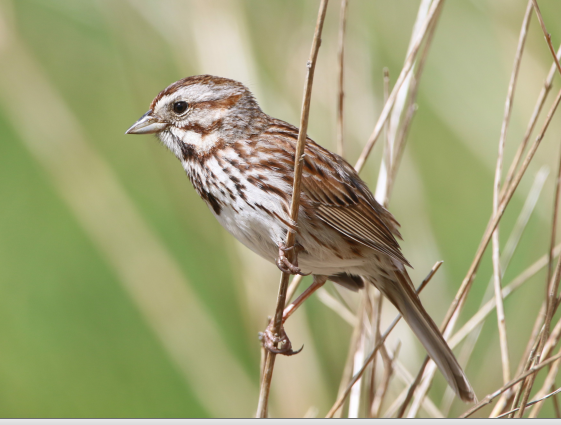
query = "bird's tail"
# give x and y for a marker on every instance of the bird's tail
(405, 299)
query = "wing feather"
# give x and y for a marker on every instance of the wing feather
(339, 197)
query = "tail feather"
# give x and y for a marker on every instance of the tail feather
(405, 299)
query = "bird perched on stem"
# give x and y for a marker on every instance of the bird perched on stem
(241, 162)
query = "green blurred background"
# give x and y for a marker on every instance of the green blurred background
(121, 296)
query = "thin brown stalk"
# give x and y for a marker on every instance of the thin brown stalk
(393, 122)
(550, 310)
(386, 165)
(526, 360)
(358, 359)
(556, 406)
(382, 390)
(337, 306)
(411, 108)
(378, 303)
(342, 397)
(554, 219)
(262, 409)
(341, 67)
(490, 305)
(496, 189)
(391, 100)
(377, 297)
(348, 369)
(531, 124)
(490, 397)
(296, 280)
(387, 360)
(412, 388)
(546, 35)
(427, 15)
(391, 411)
(406, 378)
(552, 340)
(550, 254)
(510, 247)
(494, 220)
(531, 403)
(554, 368)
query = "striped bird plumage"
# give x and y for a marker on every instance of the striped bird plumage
(241, 162)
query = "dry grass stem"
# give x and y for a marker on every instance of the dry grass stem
(490, 397)
(391, 100)
(550, 310)
(513, 394)
(551, 304)
(426, 16)
(531, 403)
(398, 401)
(337, 306)
(468, 280)
(410, 108)
(406, 378)
(536, 409)
(473, 330)
(357, 376)
(554, 368)
(262, 409)
(377, 302)
(340, 73)
(490, 305)
(412, 388)
(382, 390)
(397, 124)
(546, 35)
(293, 287)
(554, 219)
(531, 124)
(496, 189)
(348, 369)
(386, 164)
(358, 359)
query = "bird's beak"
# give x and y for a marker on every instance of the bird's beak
(148, 123)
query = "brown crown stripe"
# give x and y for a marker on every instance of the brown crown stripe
(210, 80)
(226, 103)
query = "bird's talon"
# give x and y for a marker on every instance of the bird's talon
(283, 248)
(278, 344)
(285, 265)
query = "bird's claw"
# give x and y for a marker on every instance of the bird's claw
(277, 343)
(285, 265)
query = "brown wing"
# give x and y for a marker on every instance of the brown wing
(344, 202)
(335, 192)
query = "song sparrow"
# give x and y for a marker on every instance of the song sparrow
(241, 162)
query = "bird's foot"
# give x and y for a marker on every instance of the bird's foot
(285, 265)
(277, 343)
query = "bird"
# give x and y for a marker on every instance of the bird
(241, 162)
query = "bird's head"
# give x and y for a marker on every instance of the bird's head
(200, 112)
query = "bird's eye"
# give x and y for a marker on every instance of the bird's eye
(180, 107)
